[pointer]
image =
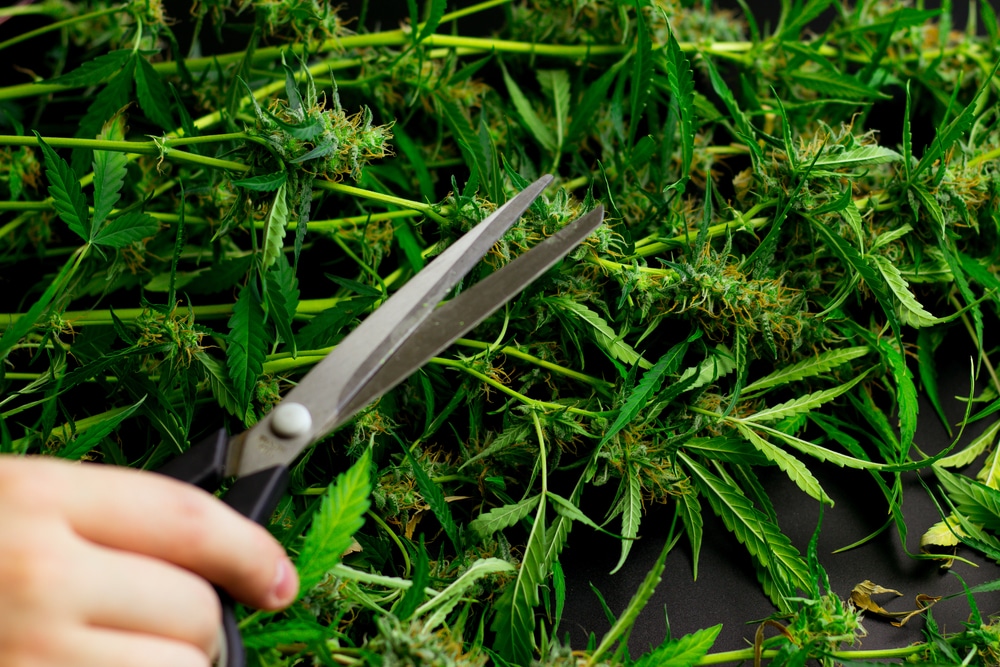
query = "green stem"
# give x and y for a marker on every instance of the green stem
(743, 655)
(474, 9)
(510, 351)
(530, 402)
(212, 311)
(49, 8)
(58, 25)
(426, 209)
(135, 147)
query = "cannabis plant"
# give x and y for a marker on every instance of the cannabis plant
(199, 201)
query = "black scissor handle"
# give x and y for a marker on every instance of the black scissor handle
(254, 496)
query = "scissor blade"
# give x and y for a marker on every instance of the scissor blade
(328, 388)
(461, 314)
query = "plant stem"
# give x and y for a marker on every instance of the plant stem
(58, 25)
(511, 351)
(742, 655)
(426, 209)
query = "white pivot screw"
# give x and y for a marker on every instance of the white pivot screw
(290, 420)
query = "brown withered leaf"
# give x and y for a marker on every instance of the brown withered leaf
(861, 597)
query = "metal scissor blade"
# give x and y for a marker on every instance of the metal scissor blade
(333, 383)
(460, 315)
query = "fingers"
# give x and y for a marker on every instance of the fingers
(147, 596)
(100, 647)
(172, 521)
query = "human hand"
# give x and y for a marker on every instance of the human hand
(109, 567)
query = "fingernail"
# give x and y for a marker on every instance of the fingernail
(286, 584)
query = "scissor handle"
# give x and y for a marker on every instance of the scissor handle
(254, 496)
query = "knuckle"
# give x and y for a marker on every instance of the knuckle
(32, 571)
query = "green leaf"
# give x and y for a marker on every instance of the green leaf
(694, 526)
(910, 310)
(743, 129)
(514, 611)
(762, 538)
(803, 404)
(67, 195)
(247, 344)
(907, 403)
(647, 387)
(555, 84)
(341, 514)
(834, 84)
(946, 136)
(711, 369)
(154, 98)
(322, 150)
(433, 19)
(976, 501)
(263, 182)
(791, 466)
(593, 99)
(682, 92)
(929, 377)
(465, 137)
(456, 592)
(791, 23)
(631, 509)
(907, 139)
(221, 276)
(282, 294)
(111, 98)
(642, 76)
(416, 593)
(973, 450)
(603, 335)
(434, 498)
(685, 651)
(823, 453)
(499, 518)
(817, 365)
(566, 509)
(861, 156)
(327, 327)
(110, 168)
(289, 631)
(93, 71)
(623, 625)
(873, 278)
(126, 229)
(539, 130)
(274, 229)
(221, 386)
(89, 439)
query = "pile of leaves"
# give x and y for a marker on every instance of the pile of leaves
(205, 199)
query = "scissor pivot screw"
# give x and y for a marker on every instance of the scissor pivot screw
(290, 420)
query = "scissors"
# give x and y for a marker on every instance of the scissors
(393, 342)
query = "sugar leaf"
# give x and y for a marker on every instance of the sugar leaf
(682, 91)
(807, 368)
(274, 228)
(263, 182)
(340, 515)
(539, 130)
(247, 344)
(685, 651)
(499, 518)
